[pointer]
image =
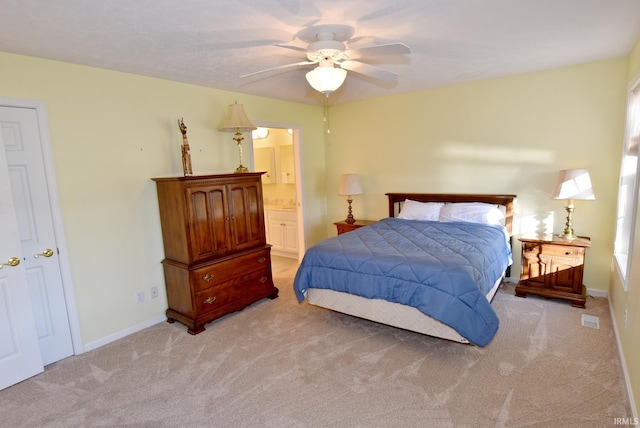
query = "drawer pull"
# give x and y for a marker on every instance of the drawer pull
(208, 277)
(262, 259)
(568, 253)
(263, 279)
(210, 300)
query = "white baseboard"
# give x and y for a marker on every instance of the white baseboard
(623, 363)
(124, 333)
(597, 293)
(281, 253)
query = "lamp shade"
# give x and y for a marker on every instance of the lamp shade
(326, 78)
(237, 120)
(349, 185)
(573, 184)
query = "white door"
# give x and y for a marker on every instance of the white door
(19, 348)
(25, 163)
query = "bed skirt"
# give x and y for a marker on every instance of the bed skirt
(384, 312)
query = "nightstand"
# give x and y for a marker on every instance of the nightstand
(552, 267)
(344, 227)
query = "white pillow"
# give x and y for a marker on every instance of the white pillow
(474, 212)
(414, 210)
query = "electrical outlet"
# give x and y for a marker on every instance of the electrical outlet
(154, 291)
(140, 297)
(625, 318)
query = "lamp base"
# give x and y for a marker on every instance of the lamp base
(238, 139)
(567, 233)
(350, 219)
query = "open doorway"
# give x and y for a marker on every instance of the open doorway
(276, 151)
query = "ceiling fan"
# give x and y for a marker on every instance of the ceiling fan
(327, 48)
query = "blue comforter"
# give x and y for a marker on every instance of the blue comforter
(442, 269)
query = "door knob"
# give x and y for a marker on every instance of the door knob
(13, 261)
(47, 253)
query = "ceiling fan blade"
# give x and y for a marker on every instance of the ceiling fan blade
(388, 49)
(293, 47)
(280, 67)
(369, 70)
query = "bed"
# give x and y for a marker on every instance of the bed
(432, 267)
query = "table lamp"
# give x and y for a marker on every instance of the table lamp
(238, 122)
(572, 184)
(349, 186)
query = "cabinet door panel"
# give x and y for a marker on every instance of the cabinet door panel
(207, 221)
(534, 268)
(290, 235)
(566, 274)
(247, 228)
(276, 238)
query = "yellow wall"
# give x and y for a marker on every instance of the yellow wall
(110, 133)
(507, 135)
(629, 300)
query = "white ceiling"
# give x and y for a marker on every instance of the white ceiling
(213, 42)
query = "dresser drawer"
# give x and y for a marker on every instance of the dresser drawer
(237, 291)
(223, 271)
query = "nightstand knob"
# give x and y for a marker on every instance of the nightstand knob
(568, 253)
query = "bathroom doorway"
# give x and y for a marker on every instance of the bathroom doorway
(276, 151)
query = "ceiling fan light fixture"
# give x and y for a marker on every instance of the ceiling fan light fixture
(326, 79)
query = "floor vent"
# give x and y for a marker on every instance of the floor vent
(591, 321)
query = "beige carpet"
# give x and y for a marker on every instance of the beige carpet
(281, 364)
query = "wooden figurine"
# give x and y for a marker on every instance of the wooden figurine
(186, 151)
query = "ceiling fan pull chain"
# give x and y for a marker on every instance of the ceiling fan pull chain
(326, 114)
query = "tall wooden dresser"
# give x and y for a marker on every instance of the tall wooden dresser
(217, 260)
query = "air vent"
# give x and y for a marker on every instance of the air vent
(591, 321)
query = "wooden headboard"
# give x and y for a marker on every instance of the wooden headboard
(395, 200)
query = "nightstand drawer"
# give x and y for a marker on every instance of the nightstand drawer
(553, 255)
(531, 249)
